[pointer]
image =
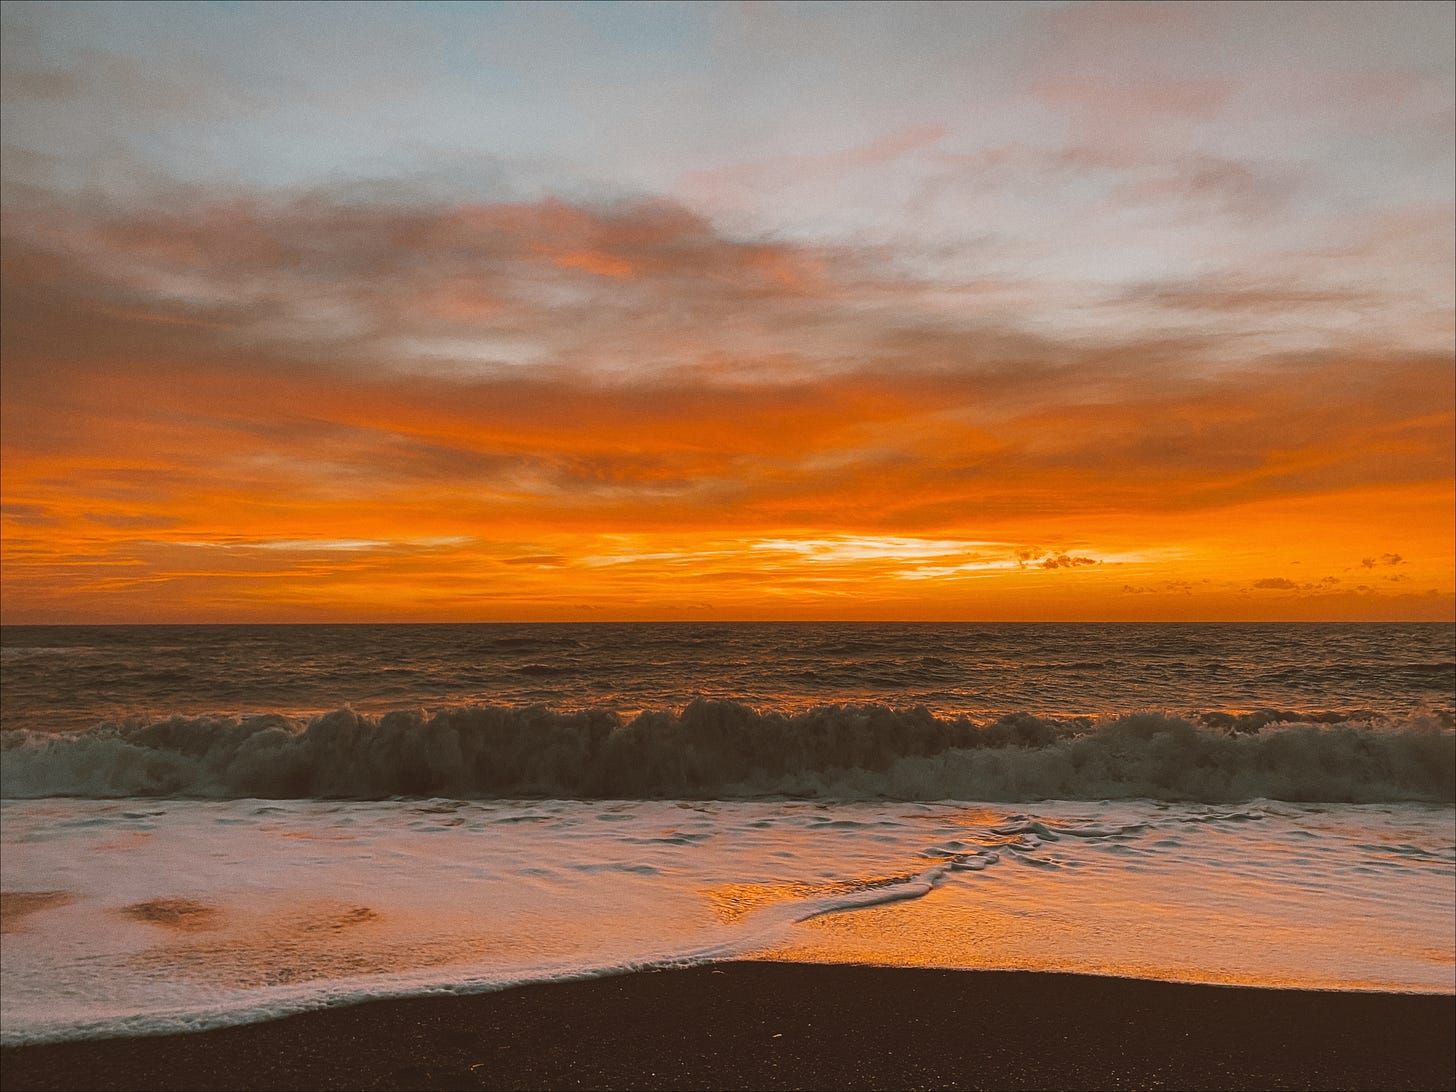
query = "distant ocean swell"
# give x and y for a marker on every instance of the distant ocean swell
(724, 750)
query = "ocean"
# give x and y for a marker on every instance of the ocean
(206, 825)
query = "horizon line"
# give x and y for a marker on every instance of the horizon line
(785, 622)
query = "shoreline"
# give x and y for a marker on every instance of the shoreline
(797, 1025)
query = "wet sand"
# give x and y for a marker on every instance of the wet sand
(780, 1025)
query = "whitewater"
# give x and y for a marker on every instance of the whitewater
(208, 825)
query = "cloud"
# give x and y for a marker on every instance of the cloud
(467, 286)
(719, 184)
(1105, 98)
(1383, 559)
(1063, 561)
(325, 368)
(1109, 179)
(291, 345)
(1166, 286)
(1238, 297)
(1276, 583)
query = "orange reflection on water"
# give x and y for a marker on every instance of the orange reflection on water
(1138, 926)
(733, 901)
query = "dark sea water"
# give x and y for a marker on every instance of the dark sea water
(207, 825)
(1341, 712)
(62, 676)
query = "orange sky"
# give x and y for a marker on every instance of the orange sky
(1187, 385)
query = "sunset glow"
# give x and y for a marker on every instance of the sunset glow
(728, 312)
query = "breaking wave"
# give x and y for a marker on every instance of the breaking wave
(725, 750)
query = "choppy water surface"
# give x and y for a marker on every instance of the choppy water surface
(203, 825)
(75, 676)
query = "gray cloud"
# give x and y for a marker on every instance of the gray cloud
(1383, 559)
(1234, 296)
(1063, 561)
(290, 335)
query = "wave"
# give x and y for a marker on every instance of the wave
(725, 750)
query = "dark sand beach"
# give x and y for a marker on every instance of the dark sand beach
(777, 1025)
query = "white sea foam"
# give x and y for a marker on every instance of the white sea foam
(146, 916)
(725, 750)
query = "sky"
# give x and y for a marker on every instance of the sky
(477, 312)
